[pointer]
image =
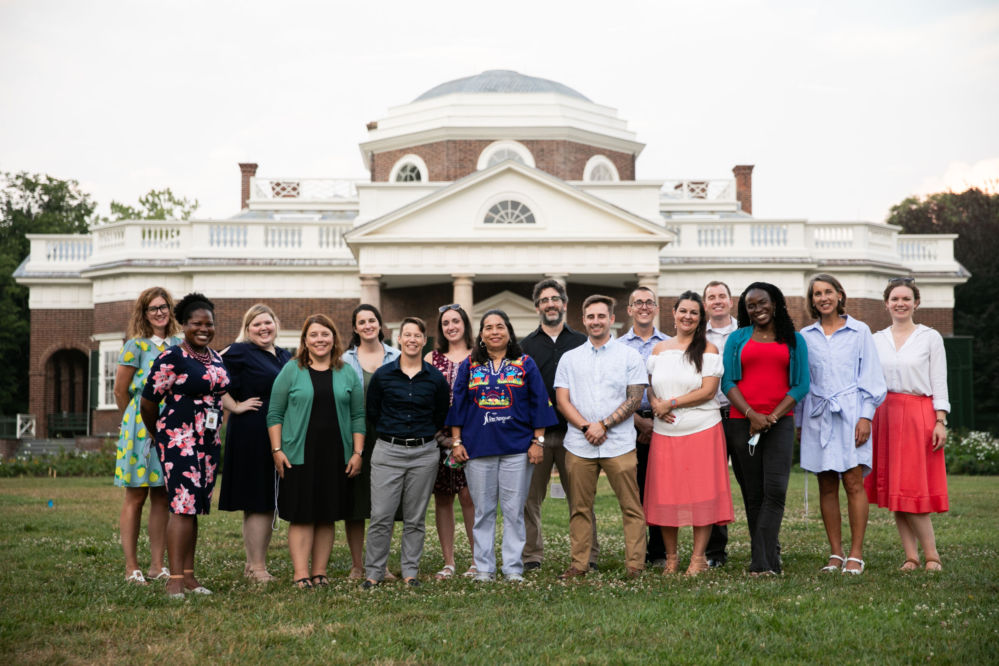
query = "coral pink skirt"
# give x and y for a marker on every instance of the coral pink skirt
(906, 473)
(687, 480)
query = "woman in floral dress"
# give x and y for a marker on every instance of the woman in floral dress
(189, 379)
(151, 329)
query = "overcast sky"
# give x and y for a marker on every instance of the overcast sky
(844, 107)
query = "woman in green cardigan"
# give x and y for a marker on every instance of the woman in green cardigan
(316, 449)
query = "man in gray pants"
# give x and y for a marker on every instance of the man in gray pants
(407, 401)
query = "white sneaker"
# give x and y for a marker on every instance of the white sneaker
(514, 578)
(483, 577)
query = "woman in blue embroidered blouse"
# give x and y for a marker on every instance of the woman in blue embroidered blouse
(846, 386)
(498, 419)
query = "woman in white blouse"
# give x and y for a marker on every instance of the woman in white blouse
(687, 480)
(908, 471)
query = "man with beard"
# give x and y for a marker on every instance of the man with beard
(598, 386)
(545, 345)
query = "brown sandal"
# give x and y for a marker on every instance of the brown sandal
(909, 565)
(934, 565)
(672, 564)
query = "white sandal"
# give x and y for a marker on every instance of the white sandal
(833, 567)
(855, 572)
(136, 577)
(163, 574)
(471, 573)
(445, 573)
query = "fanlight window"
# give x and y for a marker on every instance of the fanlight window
(505, 154)
(408, 173)
(601, 172)
(509, 212)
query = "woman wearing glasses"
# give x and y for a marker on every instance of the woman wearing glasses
(846, 386)
(766, 374)
(151, 329)
(909, 475)
(454, 344)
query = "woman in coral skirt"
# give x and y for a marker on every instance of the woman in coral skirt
(909, 475)
(687, 481)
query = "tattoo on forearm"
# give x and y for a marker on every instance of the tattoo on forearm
(630, 404)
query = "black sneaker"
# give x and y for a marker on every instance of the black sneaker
(594, 567)
(716, 562)
(531, 566)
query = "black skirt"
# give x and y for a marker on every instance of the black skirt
(317, 491)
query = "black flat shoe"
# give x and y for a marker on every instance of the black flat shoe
(369, 584)
(319, 580)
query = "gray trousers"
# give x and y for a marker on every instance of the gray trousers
(534, 548)
(406, 474)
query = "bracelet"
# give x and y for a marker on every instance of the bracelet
(942, 422)
(357, 453)
(672, 403)
(275, 450)
(456, 442)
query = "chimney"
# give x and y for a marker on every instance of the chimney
(247, 170)
(744, 186)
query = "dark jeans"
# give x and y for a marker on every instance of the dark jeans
(718, 541)
(763, 478)
(655, 549)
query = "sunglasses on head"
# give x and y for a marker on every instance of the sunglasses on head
(902, 280)
(444, 308)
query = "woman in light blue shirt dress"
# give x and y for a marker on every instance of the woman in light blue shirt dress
(847, 385)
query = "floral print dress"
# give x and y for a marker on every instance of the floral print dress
(137, 465)
(189, 451)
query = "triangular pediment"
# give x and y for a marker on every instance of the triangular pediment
(559, 212)
(520, 310)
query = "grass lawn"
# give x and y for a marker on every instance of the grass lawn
(64, 599)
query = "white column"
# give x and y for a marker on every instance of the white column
(371, 290)
(463, 291)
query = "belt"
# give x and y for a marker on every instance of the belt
(406, 441)
(644, 413)
(725, 411)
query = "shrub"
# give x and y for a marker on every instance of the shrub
(972, 452)
(64, 463)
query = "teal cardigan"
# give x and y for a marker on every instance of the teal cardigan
(291, 406)
(798, 376)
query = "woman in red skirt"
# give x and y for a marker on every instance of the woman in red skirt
(909, 475)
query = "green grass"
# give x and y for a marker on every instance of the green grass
(64, 600)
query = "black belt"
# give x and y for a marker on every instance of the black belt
(406, 441)
(644, 413)
(725, 411)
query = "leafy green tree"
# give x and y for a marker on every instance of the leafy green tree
(974, 214)
(29, 204)
(155, 205)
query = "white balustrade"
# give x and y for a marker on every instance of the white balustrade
(927, 251)
(714, 189)
(68, 249)
(303, 189)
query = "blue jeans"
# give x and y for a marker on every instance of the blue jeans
(503, 481)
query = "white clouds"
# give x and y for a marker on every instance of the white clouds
(961, 176)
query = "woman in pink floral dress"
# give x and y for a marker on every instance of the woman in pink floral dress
(189, 379)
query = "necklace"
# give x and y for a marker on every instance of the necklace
(205, 357)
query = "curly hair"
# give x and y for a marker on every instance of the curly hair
(190, 303)
(442, 343)
(828, 279)
(695, 350)
(138, 325)
(302, 355)
(513, 350)
(355, 338)
(783, 325)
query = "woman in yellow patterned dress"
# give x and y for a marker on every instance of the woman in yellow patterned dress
(151, 329)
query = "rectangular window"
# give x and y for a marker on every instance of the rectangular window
(108, 360)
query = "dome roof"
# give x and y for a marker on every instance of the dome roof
(500, 81)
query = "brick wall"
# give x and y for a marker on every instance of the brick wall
(451, 160)
(53, 331)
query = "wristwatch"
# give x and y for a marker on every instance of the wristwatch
(540, 441)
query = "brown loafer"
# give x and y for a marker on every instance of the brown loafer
(571, 573)
(634, 572)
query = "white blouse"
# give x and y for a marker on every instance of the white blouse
(673, 375)
(918, 368)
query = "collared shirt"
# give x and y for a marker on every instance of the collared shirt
(717, 337)
(546, 354)
(598, 379)
(408, 407)
(350, 358)
(644, 348)
(919, 367)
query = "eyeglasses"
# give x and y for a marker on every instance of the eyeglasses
(554, 300)
(643, 304)
(902, 280)
(157, 309)
(444, 308)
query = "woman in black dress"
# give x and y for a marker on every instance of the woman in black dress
(316, 427)
(190, 379)
(248, 478)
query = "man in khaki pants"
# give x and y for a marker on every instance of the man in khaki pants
(598, 386)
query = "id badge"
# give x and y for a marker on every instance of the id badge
(212, 419)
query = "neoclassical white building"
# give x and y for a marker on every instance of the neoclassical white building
(478, 188)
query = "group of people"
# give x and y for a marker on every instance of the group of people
(366, 432)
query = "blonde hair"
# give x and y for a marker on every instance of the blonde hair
(138, 324)
(251, 314)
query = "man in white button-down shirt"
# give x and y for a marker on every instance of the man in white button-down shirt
(598, 386)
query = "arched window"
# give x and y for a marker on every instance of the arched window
(600, 169)
(409, 169)
(509, 211)
(499, 151)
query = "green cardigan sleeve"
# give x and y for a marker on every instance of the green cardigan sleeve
(348, 396)
(798, 374)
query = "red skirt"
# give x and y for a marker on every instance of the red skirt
(906, 474)
(687, 480)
